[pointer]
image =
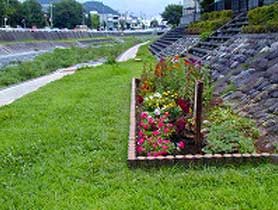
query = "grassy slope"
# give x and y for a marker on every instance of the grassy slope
(65, 147)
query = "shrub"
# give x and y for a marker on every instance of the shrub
(205, 35)
(210, 22)
(262, 19)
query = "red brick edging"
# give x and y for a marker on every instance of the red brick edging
(187, 160)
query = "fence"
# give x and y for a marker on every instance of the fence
(237, 5)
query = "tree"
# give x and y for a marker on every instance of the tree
(67, 14)
(88, 20)
(15, 13)
(95, 19)
(33, 14)
(172, 14)
(154, 23)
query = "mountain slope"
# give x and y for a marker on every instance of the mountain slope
(99, 7)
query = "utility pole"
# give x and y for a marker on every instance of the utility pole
(51, 14)
(7, 14)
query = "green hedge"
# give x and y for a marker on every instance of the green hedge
(209, 22)
(263, 20)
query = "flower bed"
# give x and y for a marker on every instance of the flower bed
(165, 127)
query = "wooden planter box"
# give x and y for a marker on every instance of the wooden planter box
(187, 160)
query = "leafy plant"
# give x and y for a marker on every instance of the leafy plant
(225, 139)
(244, 125)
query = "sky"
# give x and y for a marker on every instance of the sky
(150, 8)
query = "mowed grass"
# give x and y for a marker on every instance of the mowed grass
(65, 147)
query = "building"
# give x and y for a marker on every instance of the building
(191, 12)
(240, 5)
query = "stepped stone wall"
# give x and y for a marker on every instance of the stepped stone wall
(180, 45)
(246, 73)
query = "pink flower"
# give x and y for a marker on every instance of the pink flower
(156, 133)
(141, 141)
(165, 147)
(150, 120)
(166, 141)
(140, 133)
(166, 130)
(140, 149)
(160, 124)
(181, 145)
(144, 115)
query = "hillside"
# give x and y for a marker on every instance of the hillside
(99, 7)
(90, 6)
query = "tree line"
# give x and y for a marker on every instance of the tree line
(28, 14)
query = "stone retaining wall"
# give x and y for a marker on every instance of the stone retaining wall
(246, 73)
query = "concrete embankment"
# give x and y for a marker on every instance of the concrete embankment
(21, 35)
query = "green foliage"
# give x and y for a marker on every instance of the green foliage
(225, 139)
(172, 14)
(230, 88)
(33, 14)
(230, 133)
(180, 78)
(68, 14)
(95, 21)
(59, 58)
(154, 23)
(262, 20)
(209, 22)
(65, 147)
(205, 35)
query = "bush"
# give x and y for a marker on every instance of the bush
(209, 22)
(205, 35)
(262, 20)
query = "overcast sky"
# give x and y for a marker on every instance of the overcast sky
(147, 7)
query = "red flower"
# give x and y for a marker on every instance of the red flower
(184, 105)
(180, 124)
(139, 99)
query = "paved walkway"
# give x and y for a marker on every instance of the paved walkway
(130, 53)
(10, 94)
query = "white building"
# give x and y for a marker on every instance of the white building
(191, 11)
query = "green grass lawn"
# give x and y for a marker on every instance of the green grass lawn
(65, 147)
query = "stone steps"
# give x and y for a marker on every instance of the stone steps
(220, 36)
(166, 40)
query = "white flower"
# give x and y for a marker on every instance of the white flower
(157, 112)
(151, 97)
(157, 95)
